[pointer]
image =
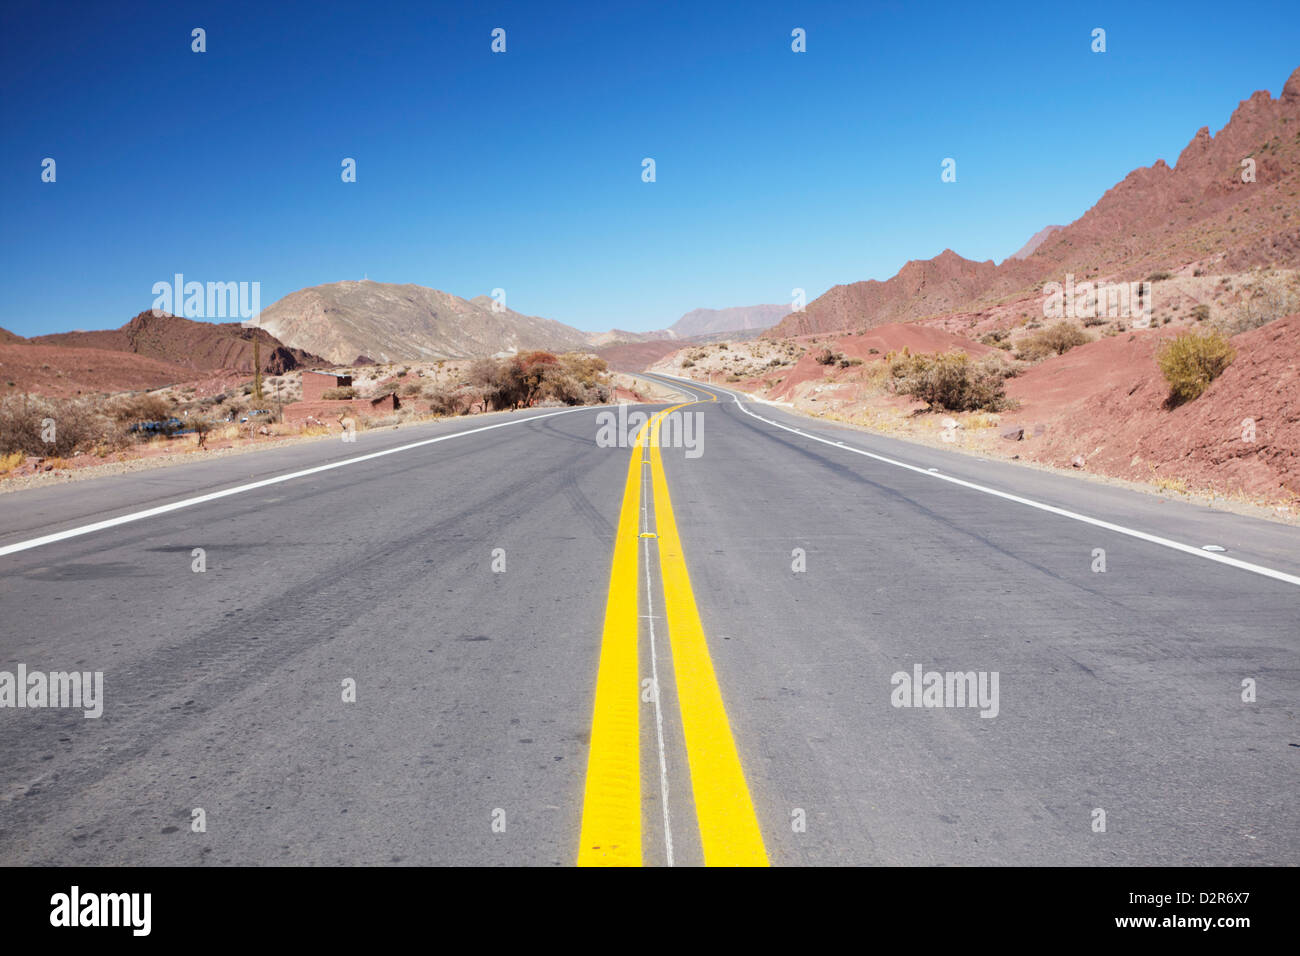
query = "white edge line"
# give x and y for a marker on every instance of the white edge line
(253, 486)
(1051, 509)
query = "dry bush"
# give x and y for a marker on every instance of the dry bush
(338, 394)
(141, 408)
(950, 381)
(1267, 300)
(1192, 361)
(72, 425)
(1056, 340)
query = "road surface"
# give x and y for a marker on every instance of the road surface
(496, 641)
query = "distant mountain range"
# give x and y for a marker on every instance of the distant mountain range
(741, 318)
(388, 323)
(335, 324)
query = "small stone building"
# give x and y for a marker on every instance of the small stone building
(316, 384)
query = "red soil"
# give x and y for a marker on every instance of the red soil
(64, 372)
(884, 339)
(1106, 401)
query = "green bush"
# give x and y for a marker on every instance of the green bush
(1192, 361)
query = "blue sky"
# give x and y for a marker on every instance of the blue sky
(522, 170)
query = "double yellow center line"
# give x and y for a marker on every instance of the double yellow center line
(611, 816)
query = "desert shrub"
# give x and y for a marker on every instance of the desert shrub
(1266, 301)
(687, 363)
(387, 388)
(733, 378)
(411, 390)
(590, 370)
(451, 401)
(339, 394)
(71, 425)
(1159, 276)
(1192, 361)
(949, 381)
(141, 408)
(997, 337)
(1056, 340)
(1200, 313)
(824, 357)
(560, 388)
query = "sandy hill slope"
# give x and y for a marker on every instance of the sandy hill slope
(390, 322)
(202, 346)
(735, 319)
(1158, 218)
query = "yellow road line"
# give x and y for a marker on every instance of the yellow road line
(611, 807)
(729, 830)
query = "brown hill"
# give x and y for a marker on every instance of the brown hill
(64, 371)
(391, 322)
(185, 343)
(636, 356)
(1157, 219)
(9, 338)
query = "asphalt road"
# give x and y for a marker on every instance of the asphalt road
(473, 589)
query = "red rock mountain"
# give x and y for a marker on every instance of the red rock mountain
(1158, 218)
(203, 346)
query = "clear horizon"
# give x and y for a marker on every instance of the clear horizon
(522, 170)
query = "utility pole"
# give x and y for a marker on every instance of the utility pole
(257, 371)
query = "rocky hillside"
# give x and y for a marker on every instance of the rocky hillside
(1159, 218)
(390, 323)
(185, 343)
